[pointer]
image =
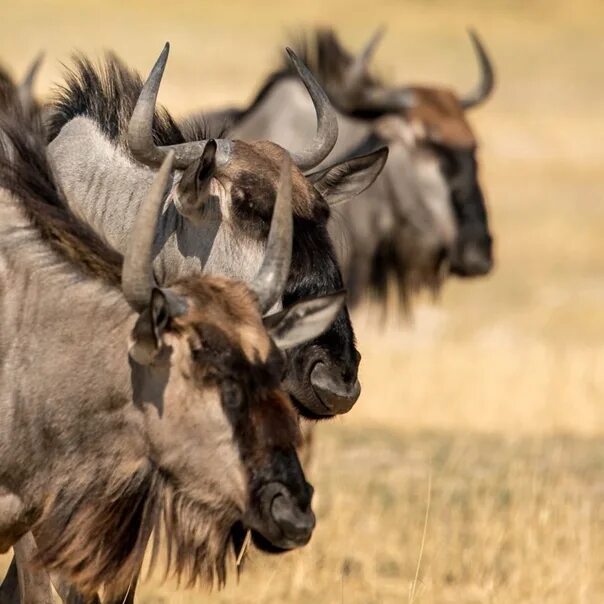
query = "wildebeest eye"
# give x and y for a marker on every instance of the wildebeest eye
(238, 195)
(232, 395)
(247, 206)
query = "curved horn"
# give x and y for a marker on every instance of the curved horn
(137, 272)
(25, 89)
(487, 76)
(270, 280)
(361, 62)
(327, 123)
(140, 128)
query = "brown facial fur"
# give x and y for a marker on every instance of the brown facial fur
(442, 116)
(225, 318)
(230, 307)
(258, 165)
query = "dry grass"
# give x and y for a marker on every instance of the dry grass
(511, 520)
(496, 391)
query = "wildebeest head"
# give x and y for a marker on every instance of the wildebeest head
(207, 370)
(430, 122)
(225, 193)
(321, 375)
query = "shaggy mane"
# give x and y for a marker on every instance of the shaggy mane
(106, 92)
(26, 174)
(96, 536)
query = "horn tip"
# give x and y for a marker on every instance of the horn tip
(473, 34)
(39, 58)
(33, 69)
(296, 61)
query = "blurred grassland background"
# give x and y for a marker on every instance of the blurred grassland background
(487, 409)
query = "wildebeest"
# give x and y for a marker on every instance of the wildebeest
(106, 140)
(127, 407)
(425, 214)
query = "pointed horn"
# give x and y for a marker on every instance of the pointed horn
(327, 123)
(140, 129)
(270, 280)
(368, 51)
(137, 272)
(26, 88)
(361, 62)
(487, 76)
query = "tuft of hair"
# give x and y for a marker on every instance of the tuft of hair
(194, 538)
(107, 92)
(26, 174)
(391, 273)
(216, 124)
(95, 536)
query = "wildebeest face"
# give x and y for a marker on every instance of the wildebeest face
(446, 129)
(207, 374)
(436, 132)
(424, 228)
(321, 375)
(429, 118)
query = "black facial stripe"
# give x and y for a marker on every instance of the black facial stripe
(224, 364)
(314, 271)
(285, 468)
(264, 431)
(460, 168)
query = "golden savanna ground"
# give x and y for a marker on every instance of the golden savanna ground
(472, 469)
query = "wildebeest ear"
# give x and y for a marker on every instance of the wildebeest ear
(153, 322)
(304, 321)
(193, 190)
(347, 179)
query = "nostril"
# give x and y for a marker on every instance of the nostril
(476, 261)
(295, 523)
(336, 395)
(349, 378)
